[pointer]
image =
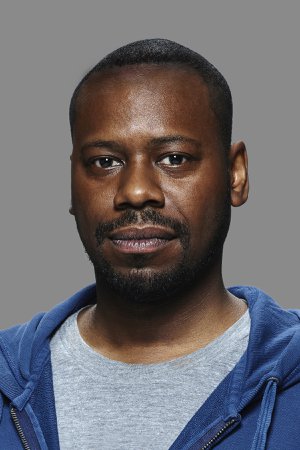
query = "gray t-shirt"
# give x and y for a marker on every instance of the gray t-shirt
(111, 405)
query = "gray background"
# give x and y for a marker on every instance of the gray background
(46, 47)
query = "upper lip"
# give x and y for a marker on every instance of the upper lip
(147, 232)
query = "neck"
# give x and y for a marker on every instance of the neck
(166, 329)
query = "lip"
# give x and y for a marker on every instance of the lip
(141, 239)
(139, 233)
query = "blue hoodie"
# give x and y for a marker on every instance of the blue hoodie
(256, 407)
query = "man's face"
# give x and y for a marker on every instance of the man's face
(150, 181)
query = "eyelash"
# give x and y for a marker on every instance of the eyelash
(108, 159)
(181, 159)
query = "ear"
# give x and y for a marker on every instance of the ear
(238, 161)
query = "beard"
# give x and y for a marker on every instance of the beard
(144, 285)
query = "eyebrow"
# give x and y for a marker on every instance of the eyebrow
(113, 145)
(173, 139)
(155, 142)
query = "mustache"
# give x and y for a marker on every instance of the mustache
(145, 217)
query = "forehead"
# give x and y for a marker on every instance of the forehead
(153, 95)
(141, 73)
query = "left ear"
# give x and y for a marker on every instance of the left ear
(239, 182)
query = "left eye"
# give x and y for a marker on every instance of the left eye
(173, 160)
(105, 162)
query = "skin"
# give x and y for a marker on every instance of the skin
(130, 122)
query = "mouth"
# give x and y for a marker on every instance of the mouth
(141, 240)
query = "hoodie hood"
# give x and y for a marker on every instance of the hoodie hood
(271, 362)
(24, 349)
(273, 348)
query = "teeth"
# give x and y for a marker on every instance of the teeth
(139, 243)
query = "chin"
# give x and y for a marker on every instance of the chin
(146, 285)
(139, 285)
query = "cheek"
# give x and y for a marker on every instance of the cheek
(92, 201)
(197, 194)
(93, 209)
(201, 202)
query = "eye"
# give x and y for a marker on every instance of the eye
(173, 160)
(106, 162)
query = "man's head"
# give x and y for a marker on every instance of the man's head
(166, 52)
(153, 172)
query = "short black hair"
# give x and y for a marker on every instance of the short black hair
(164, 52)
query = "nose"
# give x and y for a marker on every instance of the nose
(139, 186)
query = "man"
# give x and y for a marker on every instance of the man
(158, 354)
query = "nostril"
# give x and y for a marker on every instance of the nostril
(138, 202)
(139, 195)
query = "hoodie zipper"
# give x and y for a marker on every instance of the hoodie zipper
(218, 434)
(19, 429)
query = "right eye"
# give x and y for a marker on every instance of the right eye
(106, 162)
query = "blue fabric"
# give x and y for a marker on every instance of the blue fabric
(265, 416)
(257, 406)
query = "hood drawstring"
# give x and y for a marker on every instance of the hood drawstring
(265, 415)
(1, 406)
